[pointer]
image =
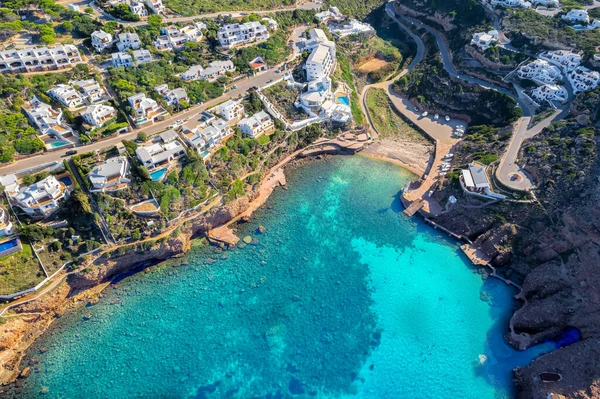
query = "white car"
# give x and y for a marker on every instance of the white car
(436, 117)
(425, 114)
(447, 118)
(442, 174)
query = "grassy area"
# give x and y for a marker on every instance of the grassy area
(20, 271)
(264, 139)
(389, 123)
(344, 73)
(195, 7)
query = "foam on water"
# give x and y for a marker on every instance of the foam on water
(342, 297)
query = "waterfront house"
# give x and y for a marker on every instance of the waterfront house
(475, 181)
(39, 59)
(156, 155)
(321, 60)
(257, 125)
(98, 114)
(231, 110)
(41, 198)
(232, 35)
(128, 41)
(66, 95)
(111, 175)
(101, 40)
(145, 109)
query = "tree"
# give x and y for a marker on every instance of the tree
(82, 201)
(142, 137)
(155, 22)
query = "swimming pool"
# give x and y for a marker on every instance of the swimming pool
(9, 247)
(343, 100)
(66, 180)
(56, 144)
(157, 175)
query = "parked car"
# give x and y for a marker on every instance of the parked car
(436, 117)
(70, 152)
(277, 71)
(424, 114)
(254, 88)
(447, 118)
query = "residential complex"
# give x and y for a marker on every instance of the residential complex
(156, 155)
(111, 175)
(173, 38)
(145, 109)
(321, 60)
(206, 133)
(91, 90)
(566, 60)
(98, 114)
(257, 125)
(123, 59)
(66, 95)
(41, 198)
(233, 35)
(541, 72)
(550, 93)
(583, 79)
(39, 59)
(212, 72)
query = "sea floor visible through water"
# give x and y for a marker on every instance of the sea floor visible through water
(343, 296)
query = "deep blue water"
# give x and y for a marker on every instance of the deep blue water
(343, 296)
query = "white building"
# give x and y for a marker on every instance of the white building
(111, 175)
(511, 3)
(138, 8)
(172, 38)
(156, 155)
(577, 16)
(475, 181)
(206, 133)
(145, 109)
(156, 6)
(232, 35)
(98, 114)
(566, 60)
(41, 198)
(91, 90)
(331, 13)
(550, 93)
(46, 119)
(541, 72)
(172, 97)
(352, 27)
(231, 110)
(66, 95)
(271, 23)
(6, 226)
(212, 72)
(258, 124)
(321, 60)
(39, 59)
(484, 40)
(128, 41)
(122, 59)
(583, 79)
(101, 40)
(141, 57)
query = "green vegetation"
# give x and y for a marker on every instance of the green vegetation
(274, 51)
(283, 97)
(357, 9)
(122, 11)
(20, 271)
(343, 72)
(389, 123)
(195, 7)
(430, 86)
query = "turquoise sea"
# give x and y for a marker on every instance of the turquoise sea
(341, 297)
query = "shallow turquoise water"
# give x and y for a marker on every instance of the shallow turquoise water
(343, 296)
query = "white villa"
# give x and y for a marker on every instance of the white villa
(66, 95)
(258, 124)
(231, 110)
(207, 133)
(41, 198)
(138, 8)
(541, 72)
(352, 27)
(271, 23)
(511, 3)
(128, 41)
(155, 155)
(321, 60)
(47, 120)
(112, 175)
(475, 181)
(212, 72)
(332, 13)
(484, 40)
(577, 16)
(141, 57)
(172, 97)
(550, 93)
(156, 6)
(91, 90)
(319, 101)
(546, 3)
(122, 59)
(39, 59)
(566, 60)
(583, 79)
(98, 114)
(145, 109)
(233, 35)
(173, 38)
(101, 40)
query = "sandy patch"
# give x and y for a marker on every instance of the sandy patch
(372, 65)
(412, 156)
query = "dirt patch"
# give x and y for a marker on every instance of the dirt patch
(371, 65)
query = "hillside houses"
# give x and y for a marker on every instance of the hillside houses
(98, 114)
(46, 119)
(160, 154)
(156, 6)
(138, 8)
(233, 35)
(351, 27)
(566, 60)
(546, 3)
(39, 59)
(577, 16)
(66, 95)
(172, 97)
(173, 38)
(541, 72)
(123, 59)
(484, 40)
(41, 199)
(257, 125)
(550, 93)
(91, 91)
(205, 133)
(128, 41)
(511, 3)
(583, 79)
(145, 109)
(321, 60)
(231, 110)
(101, 40)
(112, 175)
(212, 72)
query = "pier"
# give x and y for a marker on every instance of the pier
(413, 208)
